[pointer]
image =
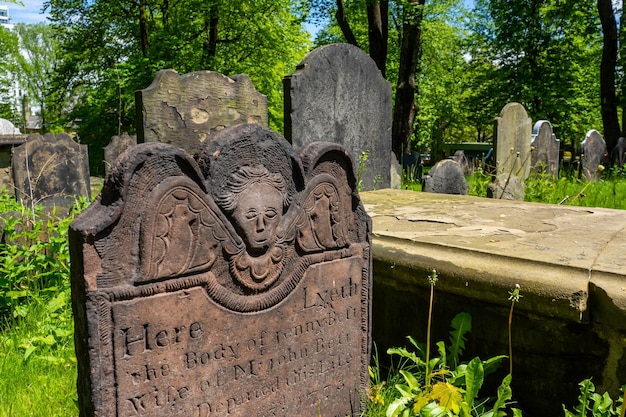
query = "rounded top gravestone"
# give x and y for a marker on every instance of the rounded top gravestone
(237, 282)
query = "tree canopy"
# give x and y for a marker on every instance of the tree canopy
(452, 70)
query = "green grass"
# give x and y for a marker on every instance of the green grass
(44, 383)
(610, 192)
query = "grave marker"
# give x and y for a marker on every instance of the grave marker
(512, 136)
(184, 110)
(238, 283)
(594, 153)
(50, 170)
(337, 94)
(446, 177)
(116, 146)
(545, 156)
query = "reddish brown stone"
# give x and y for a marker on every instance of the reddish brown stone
(237, 284)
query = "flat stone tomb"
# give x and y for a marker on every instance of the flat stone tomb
(236, 284)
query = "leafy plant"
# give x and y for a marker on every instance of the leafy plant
(34, 273)
(442, 386)
(592, 404)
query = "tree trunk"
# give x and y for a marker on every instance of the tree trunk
(340, 15)
(143, 27)
(405, 107)
(622, 63)
(378, 32)
(210, 44)
(607, 74)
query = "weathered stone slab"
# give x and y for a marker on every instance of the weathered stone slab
(116, 146)
(184, 110)
(506, 187)
(446, 177)
(50, 170)
(512, 136)
(238, 283)
(7, 143)
(337, 94)
(594, 153)
(545, 156)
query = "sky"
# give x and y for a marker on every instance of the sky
(29, 12)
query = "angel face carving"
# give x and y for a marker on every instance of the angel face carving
(257, 215)
(255, 201)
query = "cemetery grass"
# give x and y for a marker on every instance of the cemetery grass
(37, 361)
(567, 190)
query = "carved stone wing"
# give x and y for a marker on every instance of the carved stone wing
(183, 232)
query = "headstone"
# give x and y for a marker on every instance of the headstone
(116, 146)
(237, 283)
(50, 170)
(337, 94)
(446, 177)
(512, 135)
(506, 187)
(464, 162)
(594, 153)
(184, 110)
(545, 155)
(7, 143)
(7, 128)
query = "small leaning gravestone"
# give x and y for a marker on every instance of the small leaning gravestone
(594, 151)
(237, 283)
(51, 170)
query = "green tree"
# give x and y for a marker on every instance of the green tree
(541, 53)
(8, 50)
(34, 65)
(422, 51)
(112, 49)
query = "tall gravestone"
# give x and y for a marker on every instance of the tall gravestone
(237, 283)
(50, 170)
(545, 156)
(337, 94)
(184, 110)
(117, 145)
(594, 151)
(512, 136)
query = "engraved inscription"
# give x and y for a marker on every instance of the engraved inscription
(223, 372)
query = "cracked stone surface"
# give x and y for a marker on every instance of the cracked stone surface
(554, 252)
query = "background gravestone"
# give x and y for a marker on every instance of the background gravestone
(234, 284)
(7, 143)
(512, 135)
(545, 156)
(116, 146)
(446, 177)
(337, 94)
(594, 152)
(506, 187)
(184, 110)
(50, 170)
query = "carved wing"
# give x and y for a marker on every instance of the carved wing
(184, 233)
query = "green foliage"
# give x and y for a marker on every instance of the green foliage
(34, 273)
(593, 404)
(441, 386)
(104, 64)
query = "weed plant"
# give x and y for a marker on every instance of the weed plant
(37, 362)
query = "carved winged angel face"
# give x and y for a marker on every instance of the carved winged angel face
(255, 200)
(257, 215)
